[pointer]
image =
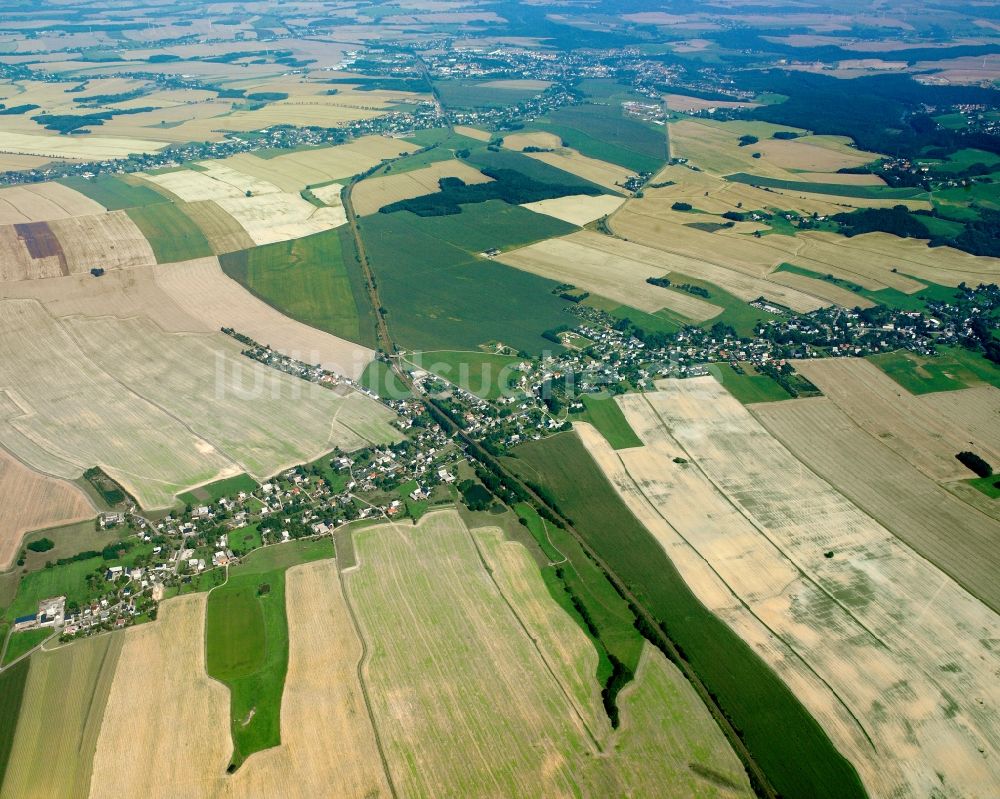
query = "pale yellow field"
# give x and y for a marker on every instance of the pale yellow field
(121, 293)
(329, 194)
(437, 622)
(10, 162)
(577, 209)
(42, 202)
(194, 186)
(600, 172)
(224, 233)
(165, 711)
(32, 501)
(601, 265)
(518, 141)
(473, 133)
(659, 262)
(370, 195)
(297, 170)
(71, 415)
(61, 719)
(201, 287)
(975, 409)
(110, 240)
(823, 289)
(85, 148)
(268, 218)
(327, 740)
(262, 419)
(861, 636)
(124, 394)
(867, 260)
(916, 431)
(949, 533)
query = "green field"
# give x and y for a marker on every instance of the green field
(60, 718)
(748, 388)
(68, 540)
(952, 368)
(246, 641)
(606, 133)
(987, 485)
(440, 295)
(379, 377)
(213, 492)
(473, 94)
(313, 279)
(801, 761)
(171, 233)
(24, 641)
(12, 682)
(114, 193)
(832, 189)
(604, 414)
(485, 374)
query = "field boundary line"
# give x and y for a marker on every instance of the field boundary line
(742, 602)
(362, 662)
(534, 641)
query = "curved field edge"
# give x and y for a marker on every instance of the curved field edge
(802, 761)
(246, 641)
(480, 685)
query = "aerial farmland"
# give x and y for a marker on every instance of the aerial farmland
(499, 399)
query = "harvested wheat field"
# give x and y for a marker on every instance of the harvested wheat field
(329, 194)
(659, 262)
(824, 289)
(217, 301)
(43, 202)
(473, 133)
(62, 718)
(297, 170)
(881, 407)
(875, 623)
(327, 741)
(601, 173)
(975, 409)
(164, 711)
(32, 501)
(370, 195)
(18, 262)
(71, 415)
(261, 418)
(437, 622)
(268, 218)
(89, 148)
(110, 241)
(542, 139)
(224, 233)
(577, 209)
(191, 185)
(821, 253)
(601, 265)
(121, 293)
(949, 533)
